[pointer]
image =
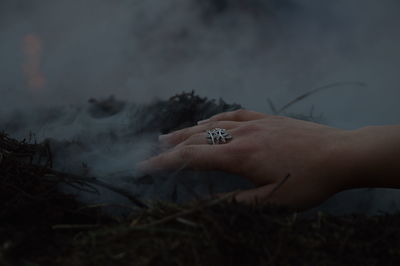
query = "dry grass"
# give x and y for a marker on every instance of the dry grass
(40, 225)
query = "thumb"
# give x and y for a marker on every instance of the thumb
(249, 196)
(264, 194)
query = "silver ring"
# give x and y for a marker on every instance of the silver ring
(218, 136)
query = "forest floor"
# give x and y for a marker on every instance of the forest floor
(40, 224)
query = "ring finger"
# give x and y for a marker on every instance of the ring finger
(182, 135)
(201, 138)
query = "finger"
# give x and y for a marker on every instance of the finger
(197, 157)
(179, 136)
(238, 115)
(197, 139)
(256, 195)
(201, 138)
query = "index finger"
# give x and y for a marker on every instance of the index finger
(238, 116)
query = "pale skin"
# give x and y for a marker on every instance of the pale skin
(319, 160)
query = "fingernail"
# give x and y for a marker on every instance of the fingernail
(165, 142)
(164, 137)
(203, 121)
(143, 167)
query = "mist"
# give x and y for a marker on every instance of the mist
(58, 54)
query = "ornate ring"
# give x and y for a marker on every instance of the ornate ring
(218, 136)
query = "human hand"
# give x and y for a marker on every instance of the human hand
(265, 149)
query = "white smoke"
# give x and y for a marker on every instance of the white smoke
(242, 51)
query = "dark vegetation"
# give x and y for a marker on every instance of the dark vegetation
(40, 224)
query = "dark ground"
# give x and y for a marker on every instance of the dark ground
(41, 225)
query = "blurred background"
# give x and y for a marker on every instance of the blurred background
(62, 53)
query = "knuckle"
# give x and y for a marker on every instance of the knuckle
(241, 149)
(240, 112)
(218, 116)
(179, 135)
(193, 139)
(250, 128)
(213, 124)
(186, 152)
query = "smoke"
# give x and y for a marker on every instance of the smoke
(236, 49)
(244, 51)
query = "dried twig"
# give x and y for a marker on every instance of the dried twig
(309, 93)
(72, 180)
(121, 191)
(190, 211)
(279, 185)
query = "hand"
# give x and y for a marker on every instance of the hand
(265, 149)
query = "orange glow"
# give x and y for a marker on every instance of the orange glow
(32, 49)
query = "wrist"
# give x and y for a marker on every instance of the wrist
(368, 157)
(341, 163)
